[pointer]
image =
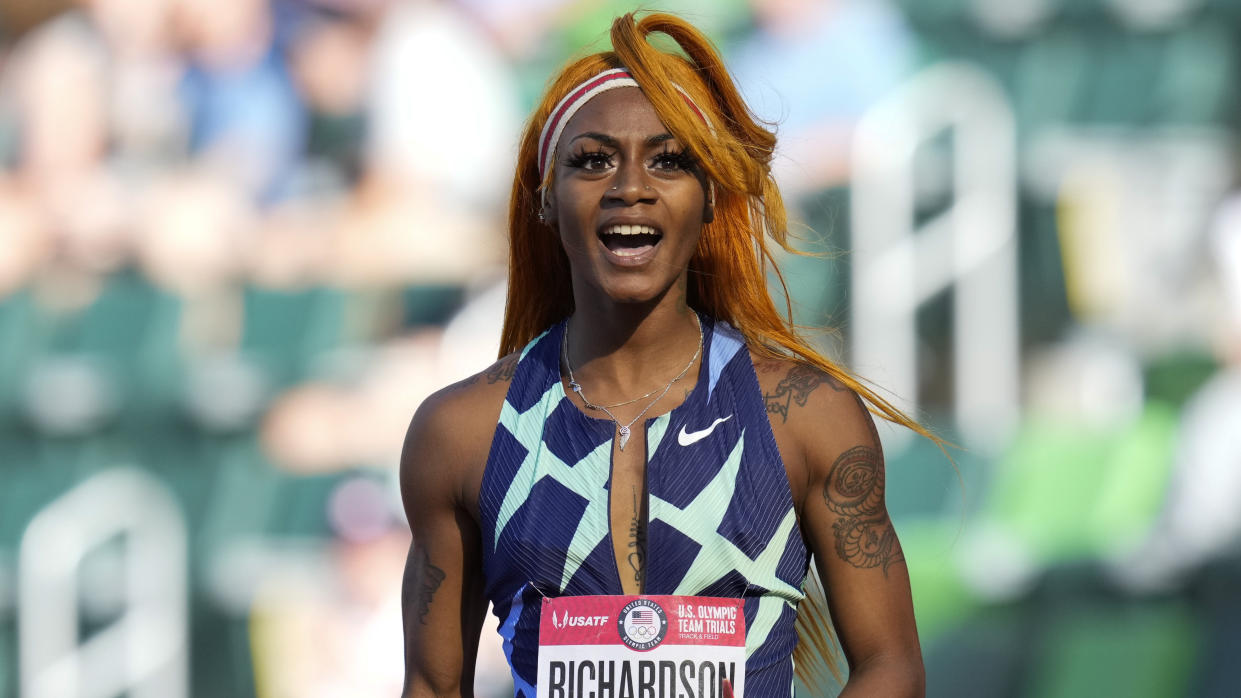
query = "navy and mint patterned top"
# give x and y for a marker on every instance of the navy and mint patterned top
(721, 517)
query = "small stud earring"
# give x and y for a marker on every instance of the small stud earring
(542, 218)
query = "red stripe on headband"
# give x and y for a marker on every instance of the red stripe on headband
(693, 106)
(573, 100)
(564, 106)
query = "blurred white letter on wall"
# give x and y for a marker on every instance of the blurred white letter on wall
(143, 652)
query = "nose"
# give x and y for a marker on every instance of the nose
(631, 185)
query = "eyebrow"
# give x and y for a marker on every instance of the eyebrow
(611, 142)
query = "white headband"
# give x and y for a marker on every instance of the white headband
(580, 95)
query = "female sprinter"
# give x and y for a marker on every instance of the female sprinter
(655, 425)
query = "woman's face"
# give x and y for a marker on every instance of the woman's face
(628, 201)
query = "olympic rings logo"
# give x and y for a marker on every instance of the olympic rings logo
(642, 631)
(642, 624)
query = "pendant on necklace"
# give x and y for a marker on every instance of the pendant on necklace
(624, 435)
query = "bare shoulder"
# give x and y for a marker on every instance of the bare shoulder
(795, 393)
(449, 437)
(815, 417)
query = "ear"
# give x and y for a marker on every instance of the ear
(547, 208)
(708, 206)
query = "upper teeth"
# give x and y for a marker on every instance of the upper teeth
(629, 230)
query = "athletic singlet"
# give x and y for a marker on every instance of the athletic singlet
(721, 520)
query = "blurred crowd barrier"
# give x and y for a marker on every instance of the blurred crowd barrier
(243, 239)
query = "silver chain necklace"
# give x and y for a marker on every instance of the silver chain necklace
(623, 430)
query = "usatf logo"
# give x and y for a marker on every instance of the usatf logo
(642, 624)
(568, 621)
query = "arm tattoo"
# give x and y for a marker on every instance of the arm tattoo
(502, 370)
(428, 577)
(854, 491)
(463, 383)
(796, 387)
(498, 371)
(637, 540)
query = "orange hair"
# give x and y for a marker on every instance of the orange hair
(727, 278)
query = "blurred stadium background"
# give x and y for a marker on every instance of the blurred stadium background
(243, 239)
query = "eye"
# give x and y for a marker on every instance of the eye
(673, 160)
(591, 161)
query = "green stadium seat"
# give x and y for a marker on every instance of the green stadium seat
(1042, 293)
(431, 304)
(48, 468)
(1214, 592)
(8, 655)
(922, 483)
(1197, 83)
(931, 13)
(940, 595)
(18, 320)
(1092, 15)
(983, 655)
(248, 497)
(1222, 9)
(284, 332)
(1050, 78)
(1138, 650)
(301, 509)
(1066, 492)
(1121, 79)
(130, 332)
(241, 497)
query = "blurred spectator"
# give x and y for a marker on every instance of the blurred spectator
(290, 246)
(192, 229)
(337, 634)
(190, 234)
(148, 121)
(813, 67)
(329, 57)
(519, 28)
(283, 219)
(394, 233)
(1201, 520)
(356, 414)
(1225, 249)
(443, 108)
(18, 16)
(245, 116)
(24, 239)
(60, 74)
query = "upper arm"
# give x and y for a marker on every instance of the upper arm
(846, 522)
(442, 594)
(838, 476)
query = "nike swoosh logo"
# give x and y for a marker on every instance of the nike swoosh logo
(685, 438)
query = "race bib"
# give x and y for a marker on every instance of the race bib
(641, 647)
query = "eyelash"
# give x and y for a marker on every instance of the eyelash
(585, 157)
(678, 159)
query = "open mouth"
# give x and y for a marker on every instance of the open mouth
(629, 240)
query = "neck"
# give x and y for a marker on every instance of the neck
(623, 350)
